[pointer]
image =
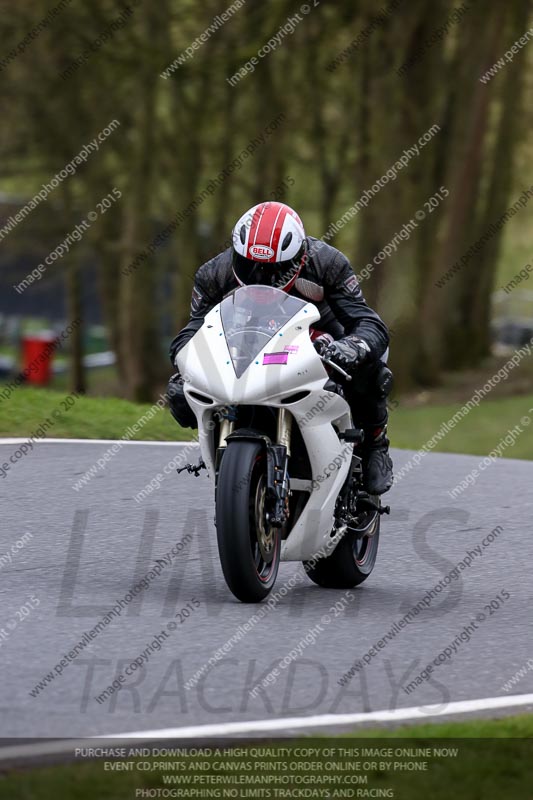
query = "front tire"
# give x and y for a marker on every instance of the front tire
(249, 549)
(353, 559)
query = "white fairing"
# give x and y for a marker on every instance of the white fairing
(207, 367)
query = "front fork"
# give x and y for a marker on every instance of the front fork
(277, 464)
(277, 469)
(226, 427)
(283, 435)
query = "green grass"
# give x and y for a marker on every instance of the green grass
(517, 727)
(89, 417)
(477, 433)
(101, 382)
(410, 427)
(494, 761)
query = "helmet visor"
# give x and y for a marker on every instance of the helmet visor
(278, 274)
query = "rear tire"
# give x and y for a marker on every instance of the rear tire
(249, 550)
(353, 559)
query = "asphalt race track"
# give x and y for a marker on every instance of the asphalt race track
(88, 548)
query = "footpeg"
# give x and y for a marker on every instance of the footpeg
(192, 469)
(366, 502)
(355, 435)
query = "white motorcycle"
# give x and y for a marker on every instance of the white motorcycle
(277, 437)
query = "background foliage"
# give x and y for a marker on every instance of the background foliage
(348, 111)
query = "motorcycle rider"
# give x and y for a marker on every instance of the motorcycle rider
(270, 247)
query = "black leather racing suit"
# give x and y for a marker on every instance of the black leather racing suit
(327, 280)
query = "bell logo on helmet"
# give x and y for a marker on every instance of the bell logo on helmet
(261, 252)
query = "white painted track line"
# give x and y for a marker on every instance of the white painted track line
(97, 441)
(270, 726)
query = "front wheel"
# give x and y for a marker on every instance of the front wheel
(249, 548)
(353, 559)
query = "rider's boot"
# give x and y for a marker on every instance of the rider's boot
(377, 463)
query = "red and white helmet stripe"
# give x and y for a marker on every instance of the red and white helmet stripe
(270, 233)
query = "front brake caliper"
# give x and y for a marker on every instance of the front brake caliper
(277, 483)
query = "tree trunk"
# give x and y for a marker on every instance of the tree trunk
(443, 343)
(78, 382)
(475, 306)
(139, 315)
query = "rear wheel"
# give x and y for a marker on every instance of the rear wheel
(249, 548)
(353, 559)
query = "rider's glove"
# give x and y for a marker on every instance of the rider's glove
(348, 353)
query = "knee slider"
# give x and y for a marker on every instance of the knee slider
(384, 380)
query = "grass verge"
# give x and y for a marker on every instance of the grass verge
(477, 434)
(410, 427)
(88, 418)
(474, 760)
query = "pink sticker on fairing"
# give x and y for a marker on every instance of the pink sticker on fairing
(275, 358)
(291, 348)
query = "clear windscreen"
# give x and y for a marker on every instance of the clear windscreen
(251, 316)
